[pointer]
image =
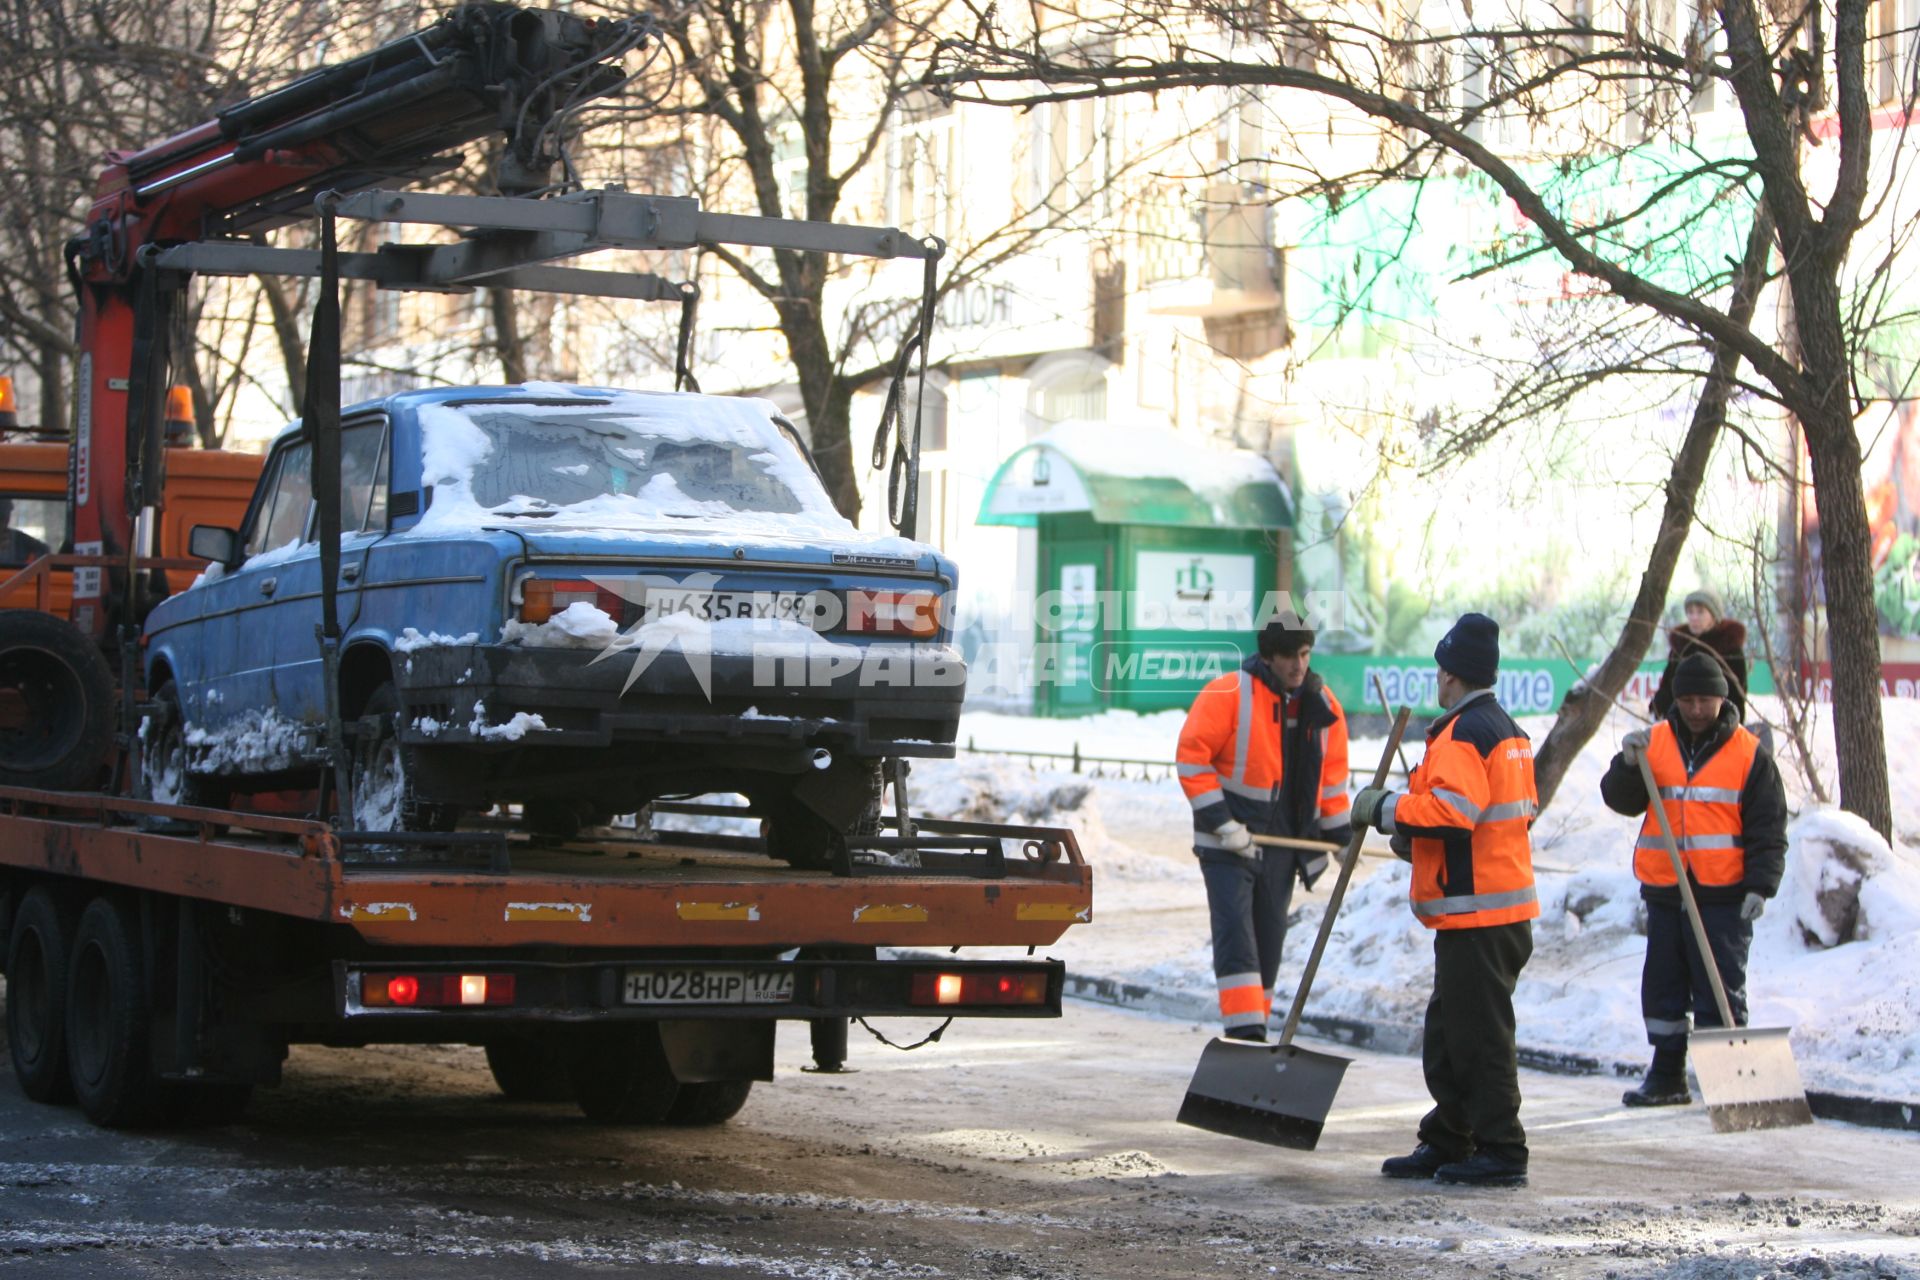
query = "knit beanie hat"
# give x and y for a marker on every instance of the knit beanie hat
(1471, 650)
(1699, 675)
(1285, 634)
(1706, 600)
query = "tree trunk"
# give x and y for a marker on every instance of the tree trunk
(829, 402)
(507, 343)
(286, 332)
(1580, 716)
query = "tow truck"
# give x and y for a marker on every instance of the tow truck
(160, 958)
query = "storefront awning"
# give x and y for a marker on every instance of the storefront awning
(1136, 475)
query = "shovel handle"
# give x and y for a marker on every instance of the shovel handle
(1349, 856)
(1659, 808)
(1295, 842)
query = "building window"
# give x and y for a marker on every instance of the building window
(920, 164)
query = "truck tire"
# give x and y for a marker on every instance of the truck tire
(109, 1022)
(163, 773)
(708, 1103)
(621, 1076)
(37, 954)
(384, 774)
(529, 1069)
(56, 703)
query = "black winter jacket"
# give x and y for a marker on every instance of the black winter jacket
(1763, 811)
(1725, 640)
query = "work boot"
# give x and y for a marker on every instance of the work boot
(1484, 1169)
(1257, 1034)
(1421, 1164)
(1658, 1091)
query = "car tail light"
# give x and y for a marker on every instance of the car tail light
(435, 990)
(894, 613)
(985, 987)
(542, 598)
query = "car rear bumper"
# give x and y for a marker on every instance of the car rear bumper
(897, 699)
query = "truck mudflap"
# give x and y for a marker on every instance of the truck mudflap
(468, 997)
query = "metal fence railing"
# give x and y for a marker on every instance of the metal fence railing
(1121, 767)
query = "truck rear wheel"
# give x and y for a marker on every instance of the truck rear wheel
(529, 1069)
(109, 1021)
(56, 703)
(621, 1076)
(37, 954)
(710, 1102)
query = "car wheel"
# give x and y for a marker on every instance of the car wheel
(384, 773)
(164, 774)
(56, 703)
(709, 1102)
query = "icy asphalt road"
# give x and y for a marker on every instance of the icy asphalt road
(1011, 1149)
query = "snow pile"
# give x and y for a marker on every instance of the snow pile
(410, 640)
(1836, 956)
(511, 731)
(578, 626)
(253, 742)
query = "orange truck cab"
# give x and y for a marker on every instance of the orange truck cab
(204, 486)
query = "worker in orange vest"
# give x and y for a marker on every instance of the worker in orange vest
(1264, 749)
(1462, 822)
(1728, 812)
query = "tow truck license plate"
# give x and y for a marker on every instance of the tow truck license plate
(721, 606)
(707, 986)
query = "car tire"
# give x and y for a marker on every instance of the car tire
(163, 774)
(384, 773)
(60, 723)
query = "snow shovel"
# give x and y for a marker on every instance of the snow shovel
(1280, 1093)
(1748, 1077)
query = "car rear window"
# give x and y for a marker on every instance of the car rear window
(569, 457)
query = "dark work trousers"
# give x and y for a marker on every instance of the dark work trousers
(1674, 981)
(1247, 900)
(1468, 1049)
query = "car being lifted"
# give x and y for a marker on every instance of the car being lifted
(570, 598)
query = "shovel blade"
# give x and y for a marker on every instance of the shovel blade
(1748, 1078)
(1276, 1094)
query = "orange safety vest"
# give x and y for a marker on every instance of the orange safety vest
(1467, 808)
(1703, 809)
(1230, 746)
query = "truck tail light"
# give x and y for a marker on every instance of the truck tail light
(542, 598)
(983, 987)
(435, 990)
(894, 613)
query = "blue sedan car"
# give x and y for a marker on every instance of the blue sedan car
(574, 599)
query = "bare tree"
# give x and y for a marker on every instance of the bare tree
(1584, 86)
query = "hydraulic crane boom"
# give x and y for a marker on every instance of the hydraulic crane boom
(394, 115)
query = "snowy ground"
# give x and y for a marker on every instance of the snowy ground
(1837, 956)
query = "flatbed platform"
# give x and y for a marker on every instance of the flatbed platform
(951, 884)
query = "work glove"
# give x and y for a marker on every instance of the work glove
(1634, 745)
(1368, 805)
(1753, 908)
(1234, 838)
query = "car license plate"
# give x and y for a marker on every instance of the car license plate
(724, 606)
(707, 986)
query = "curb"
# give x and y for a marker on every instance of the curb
(1388, 1037)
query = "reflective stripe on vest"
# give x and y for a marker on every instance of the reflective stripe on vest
(1704, 811)
(1493, 883)
(1475, 902)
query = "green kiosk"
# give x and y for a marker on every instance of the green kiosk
(1155, 554)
